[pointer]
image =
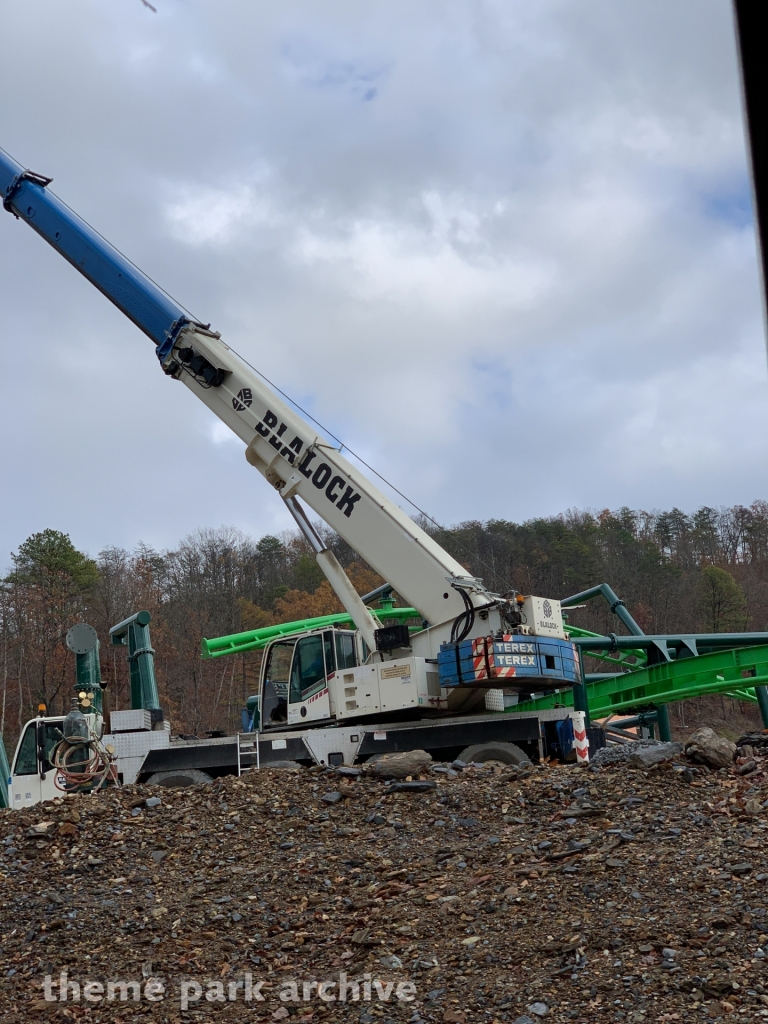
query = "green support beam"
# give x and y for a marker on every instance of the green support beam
(83, 641)
(5, 780)
(88, 679)
(662, 720)
(762, 699)
(133, 633)
(615, 603)
(630, 658)
(581, 695)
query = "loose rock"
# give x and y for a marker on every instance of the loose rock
(646, 756)
(632, 753)
(706, 747)
(401, 765)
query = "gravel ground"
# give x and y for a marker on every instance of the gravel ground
(550, 894)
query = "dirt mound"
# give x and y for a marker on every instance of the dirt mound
(494, 894)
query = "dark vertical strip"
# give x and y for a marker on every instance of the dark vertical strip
(752, 41)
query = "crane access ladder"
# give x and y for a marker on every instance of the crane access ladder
(248, 756)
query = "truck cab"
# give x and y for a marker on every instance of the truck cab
(33, 777)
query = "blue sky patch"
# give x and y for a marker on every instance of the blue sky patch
(356, 78)
(732, 205)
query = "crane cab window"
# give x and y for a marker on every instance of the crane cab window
(26, 759)
(345, 651)
(308, 669)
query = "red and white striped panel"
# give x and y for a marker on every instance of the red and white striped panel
(483, 659)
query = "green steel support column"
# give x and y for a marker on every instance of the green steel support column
(142, 656)
(134, 633)
(83, 641)
(580, 700)
(88, 675)
(761, 692)
(615, 603)
(662, 720)
(5, 775)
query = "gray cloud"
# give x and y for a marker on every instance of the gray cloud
(504, 250)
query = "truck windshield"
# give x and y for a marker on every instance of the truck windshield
(26, 759)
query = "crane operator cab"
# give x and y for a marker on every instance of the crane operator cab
(295, 676)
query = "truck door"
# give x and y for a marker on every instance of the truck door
(274, 686)
(32, 777)
(313, 660)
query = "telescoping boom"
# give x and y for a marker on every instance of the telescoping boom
(287, 450)
(301, 464)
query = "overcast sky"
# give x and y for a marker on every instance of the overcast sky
(503, 249)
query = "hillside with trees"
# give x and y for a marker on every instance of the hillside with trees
(677, 572)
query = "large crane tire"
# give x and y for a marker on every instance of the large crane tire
(179, 778)
(501, 752)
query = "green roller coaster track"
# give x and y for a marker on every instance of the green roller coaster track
(731, 672)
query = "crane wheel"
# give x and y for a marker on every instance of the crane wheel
(500, 753)
(179, 779)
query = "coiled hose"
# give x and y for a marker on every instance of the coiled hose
(82, 766)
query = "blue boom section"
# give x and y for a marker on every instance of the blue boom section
(26, 196)
(510, 660)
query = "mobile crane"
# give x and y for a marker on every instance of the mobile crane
(471, 641)
(300, 463)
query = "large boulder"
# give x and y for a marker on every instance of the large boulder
(705, 747)
(401, 765)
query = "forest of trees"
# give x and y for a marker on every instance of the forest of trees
(676, 572)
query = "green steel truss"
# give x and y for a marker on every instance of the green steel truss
(732, 672)
(623, 660)
(5, 780)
